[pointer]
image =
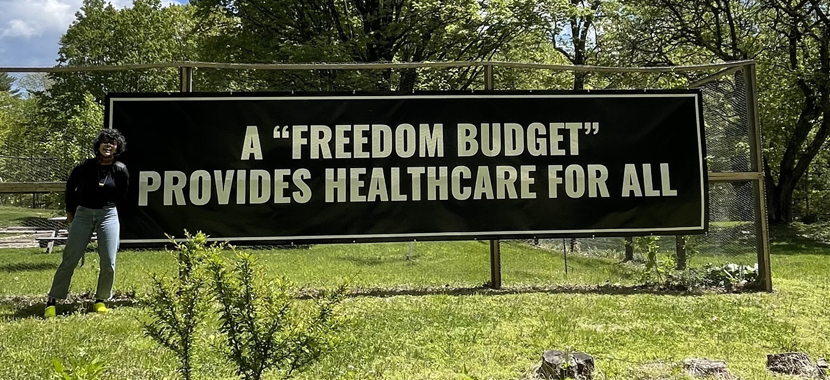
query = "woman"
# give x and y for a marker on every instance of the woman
(92, 192)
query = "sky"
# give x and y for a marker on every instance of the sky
(30, 30)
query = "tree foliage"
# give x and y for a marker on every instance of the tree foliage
(788, 39)
(275, 31)
(7, 84)
(571, 27)
(70, 105)
(16, 116)
(804, 26)
(794, 92)
(101, 35)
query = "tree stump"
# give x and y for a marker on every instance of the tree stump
(793, 363)
(703, 368)
(561, 365)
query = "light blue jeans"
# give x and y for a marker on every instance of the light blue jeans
(103, 221)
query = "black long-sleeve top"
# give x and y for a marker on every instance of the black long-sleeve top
(96, 186)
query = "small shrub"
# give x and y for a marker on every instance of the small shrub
(686, 279)
(178, 306)
(263, 326)
(648, 246)
(79, 369)
(731, 276)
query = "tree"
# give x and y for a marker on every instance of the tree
(766, 30)
(805, 26)
(7, 84)
(572, 29)
(16, 115)
(102, 35)
(8, 120)
(70, 106)
(276, 31)
(35, 83)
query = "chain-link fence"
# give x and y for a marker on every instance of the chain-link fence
(734, 202)
(736, 211)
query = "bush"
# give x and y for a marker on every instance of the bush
(649, 246)
(79, 369)
(731, 276)
(178, 305)
(264, 326)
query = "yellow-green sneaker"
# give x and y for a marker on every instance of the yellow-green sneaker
(100, 308)
(49, 312)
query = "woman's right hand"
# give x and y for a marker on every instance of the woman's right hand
(69, 217)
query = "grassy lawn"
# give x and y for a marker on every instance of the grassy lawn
(18, 216)
(429, 318)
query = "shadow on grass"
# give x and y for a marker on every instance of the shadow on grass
(482, 290)
(617, 268)
(796, 240)
(799, 247)
(33, 307)
(365, 261)
(27, 267)
(794, 247)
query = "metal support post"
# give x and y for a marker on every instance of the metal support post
(756, 159)
(488, 77)
(495, 249)
(186, 79)
(495, 264)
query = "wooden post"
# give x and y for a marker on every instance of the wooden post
(680, 251)
(629, 249)
(186, 79)
(756, 165)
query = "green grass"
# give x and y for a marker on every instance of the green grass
(18, 216)
(429, 318)
(367, 266)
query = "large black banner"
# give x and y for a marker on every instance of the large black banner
(283, 168)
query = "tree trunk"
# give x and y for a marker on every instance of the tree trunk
(782, 201)
(408, 79)
(769, 185)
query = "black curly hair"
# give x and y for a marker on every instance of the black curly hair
(110, 135)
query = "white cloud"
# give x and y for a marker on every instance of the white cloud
(30, 29)
(28, 18)
(19, 28)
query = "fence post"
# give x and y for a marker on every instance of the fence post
(186, 79)
(488, 77)
(680, 252)
(629, 249)
(756, 165)
(495, 248)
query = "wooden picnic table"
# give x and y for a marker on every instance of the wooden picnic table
(60, 232)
